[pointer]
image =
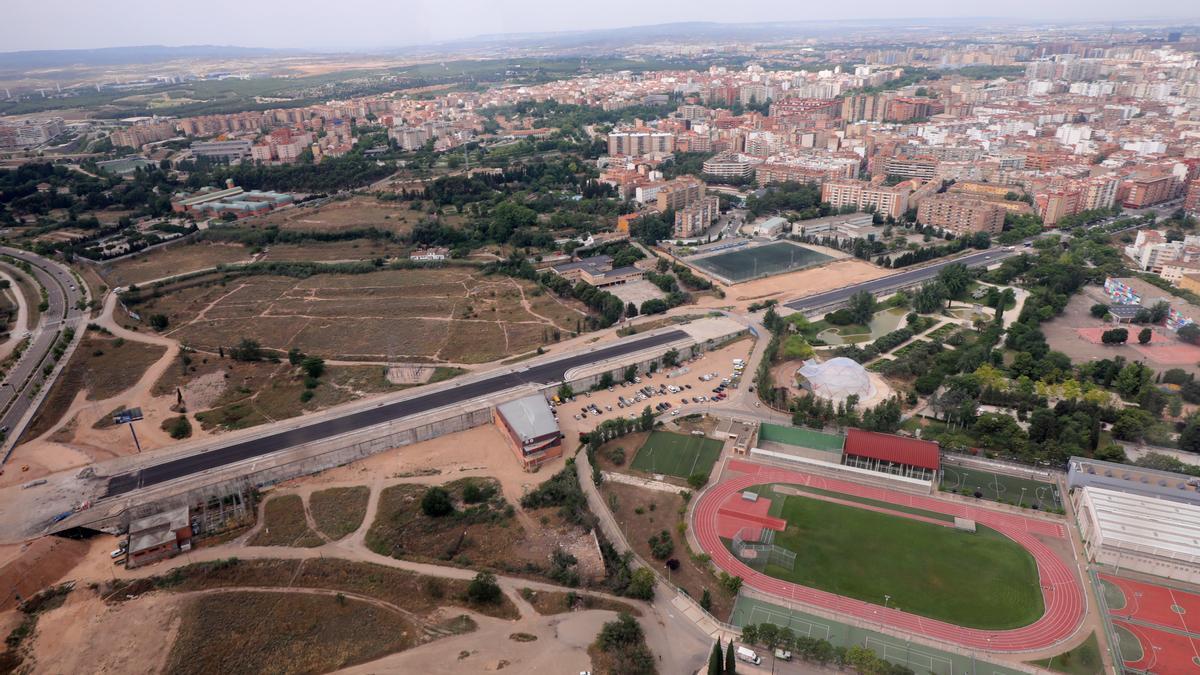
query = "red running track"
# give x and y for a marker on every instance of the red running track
(1061, 591)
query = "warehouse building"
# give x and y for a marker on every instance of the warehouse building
(531, 429)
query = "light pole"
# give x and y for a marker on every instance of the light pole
(886, 598)
(1022, 500)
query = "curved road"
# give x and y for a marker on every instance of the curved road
(63, 294)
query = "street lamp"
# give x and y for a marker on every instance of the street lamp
(886, 598)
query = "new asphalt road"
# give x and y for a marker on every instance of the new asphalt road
(897, 280)
(62, 294)
(549, 372)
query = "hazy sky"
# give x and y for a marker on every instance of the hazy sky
(65, 24)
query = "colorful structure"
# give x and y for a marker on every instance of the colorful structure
(1120, 292)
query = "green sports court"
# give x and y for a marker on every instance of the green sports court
(801, 437)
(999, 487)
(919, 658)
(678, 455)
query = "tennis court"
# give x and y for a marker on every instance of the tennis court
(801, 437)
(751, 262)
(999, 487)
(919, 658)
(678, 455)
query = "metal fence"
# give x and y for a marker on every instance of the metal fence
(762, 552)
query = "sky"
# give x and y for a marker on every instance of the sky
(371, 24)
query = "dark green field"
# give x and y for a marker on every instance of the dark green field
(752, 262)
(999, 487)
(677, 454)
(982, 580)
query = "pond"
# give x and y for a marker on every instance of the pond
(881, 324)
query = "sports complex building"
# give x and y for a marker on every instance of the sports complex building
(1138, 519)
(906, 463)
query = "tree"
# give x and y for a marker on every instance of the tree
(1144, 336)
(606, 380)
(313, 366)
(1099, 310)
(670, 358)
(159, 322)
(436, 502)
(631, 310)
(730, 659)
(646, 419)
(955, 278)
(862, 307)
(706, 601)
(715, 665)
(483, 589)
(565, 392)
(630, 373)
(1114, 336)
(1189, 333)
(641, 584)
(1189, 438)
(929, 297)
(246, 350)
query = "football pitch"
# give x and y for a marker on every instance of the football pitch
(800, 437)
(752, 262)
(982, 580)
(678, 455)
(999, 487)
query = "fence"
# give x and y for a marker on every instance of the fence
(758, 554)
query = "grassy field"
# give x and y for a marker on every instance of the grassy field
(1082, 660)
(355, 213)
(999, 487)
(284, 633)
(677, 455)
(339, 511)
(284, 525)
(452, 314)
(804, 438)
(982, 580)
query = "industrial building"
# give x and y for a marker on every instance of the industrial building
(159, 536)
(531, 429)
(235, 200)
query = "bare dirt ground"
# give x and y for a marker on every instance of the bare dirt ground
(445, 315)
(171, 260)
(88, 635)
(792, 285)
(358, 212)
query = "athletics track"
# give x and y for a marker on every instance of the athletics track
(1061, 591)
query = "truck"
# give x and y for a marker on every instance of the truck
(783, 655)
(748, 655)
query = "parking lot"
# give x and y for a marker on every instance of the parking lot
(686, 380)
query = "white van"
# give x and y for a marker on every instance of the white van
(748, 656)
(783, 655)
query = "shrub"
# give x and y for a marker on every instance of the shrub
(178, 427)
(483, 589)
(662, 545)
(697, 480)
(436, 502)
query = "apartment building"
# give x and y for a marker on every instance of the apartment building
(30, 132)
(1148, 190)
(728, 165)
(1191, 202)
(635, 143)
(676, 194)
(887, 200)
(961, 215)
(142, 133)
(693, 219)
(924, 168)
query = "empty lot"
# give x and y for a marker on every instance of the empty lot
(450, 315)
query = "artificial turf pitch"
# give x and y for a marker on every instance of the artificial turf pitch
(982, 580)
(677, 455)
(801, 437)
(998, 487)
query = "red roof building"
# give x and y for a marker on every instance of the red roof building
(897, 455)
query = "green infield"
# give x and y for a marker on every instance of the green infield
(999, 487)
(982, 580)
(799, 436)
(677, 455)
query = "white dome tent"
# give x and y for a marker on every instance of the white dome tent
(837, 379)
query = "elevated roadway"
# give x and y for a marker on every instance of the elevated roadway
(545, 373)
